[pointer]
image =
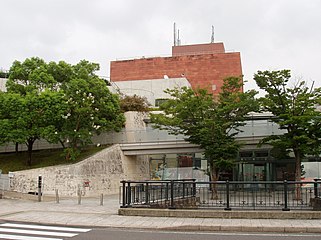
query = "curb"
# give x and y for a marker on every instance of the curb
(199, 228)
(219, 214)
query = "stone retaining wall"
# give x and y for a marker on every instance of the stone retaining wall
(98, 174)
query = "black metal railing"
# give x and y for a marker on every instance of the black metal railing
(188, 193)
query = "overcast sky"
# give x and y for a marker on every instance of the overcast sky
(270, 34)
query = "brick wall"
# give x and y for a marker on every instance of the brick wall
(202, 70)
(198, 49)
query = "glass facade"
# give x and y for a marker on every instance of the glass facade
(178, 166)
(260, 165)
(256, 164)
(253, 162)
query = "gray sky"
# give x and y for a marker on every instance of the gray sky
(270, 34)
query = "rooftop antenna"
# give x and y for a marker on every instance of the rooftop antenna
(178, 40)
(175, 34)
(212, 37)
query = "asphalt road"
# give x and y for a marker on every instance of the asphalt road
(121, 234)
(31, 231)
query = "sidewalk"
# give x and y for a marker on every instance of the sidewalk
(91, 213)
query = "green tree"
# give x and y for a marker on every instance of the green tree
(27, 118)
(80, 105)
(294, 108)
(92, 108)
(209, 121)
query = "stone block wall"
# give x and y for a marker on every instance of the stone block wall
(98, 174)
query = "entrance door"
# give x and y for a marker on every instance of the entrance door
(253, 172)
(259, 172)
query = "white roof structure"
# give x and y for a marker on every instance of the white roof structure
(3, 82)
(152, 89)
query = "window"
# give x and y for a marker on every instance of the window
(160, 101)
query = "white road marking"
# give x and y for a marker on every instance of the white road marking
(19, 237)
(42, 227)
(45, 233)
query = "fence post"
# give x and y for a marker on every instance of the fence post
(129, 195)
(147, 193)
(227, 196)
(172, 196)
(39, 187)
(124, 194)
(183, 190)
(194, 188)
(166, 191)
(316, 194)
(285, 183)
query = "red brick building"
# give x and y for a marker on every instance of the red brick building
(204, 66)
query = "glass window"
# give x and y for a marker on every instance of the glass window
(262, 154)
(247, 154)
(160, 101)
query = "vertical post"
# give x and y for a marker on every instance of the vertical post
(123, 194)
(57, 196)
(227, 196)
(79, 196)
(129, 195)
(166, 191)
(316, 194)
(147, 193)
(39, 187)
(194, 188)
(183, 190)
(101, 199)
(285, 183)
(172, 196)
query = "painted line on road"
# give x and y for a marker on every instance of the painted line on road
(19, 237)
(46, 233)
(42, 227)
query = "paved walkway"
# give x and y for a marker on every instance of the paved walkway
(91, 213)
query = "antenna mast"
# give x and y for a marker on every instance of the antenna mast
(174, 34)
(212, 37)
(178, 40)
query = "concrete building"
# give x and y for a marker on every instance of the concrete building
(203, 65)
(152, 89)
(147, 153)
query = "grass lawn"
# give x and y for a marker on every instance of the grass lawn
(41, 158)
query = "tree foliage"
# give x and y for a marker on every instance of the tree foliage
(294, 106)
(209, 121)
(134, 103)
(59, 102)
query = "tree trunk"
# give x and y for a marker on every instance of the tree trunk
(214, 179)
(62, 144)
(30, 143)
(17, 147)
(297, 174)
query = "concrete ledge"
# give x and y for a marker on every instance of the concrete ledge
(219, 214)
(25, 196)
(240, 228)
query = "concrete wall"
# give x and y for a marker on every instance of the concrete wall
(98, 174)
(152, 89)
(3, 82)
